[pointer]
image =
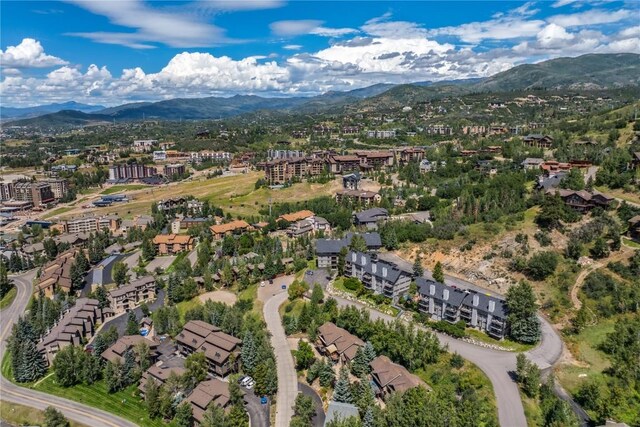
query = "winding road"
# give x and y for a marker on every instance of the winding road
(12, 393)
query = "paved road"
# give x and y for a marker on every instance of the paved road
(319, 417)
(34, 399)
(287, 377)
(258, 413)
(499, 366)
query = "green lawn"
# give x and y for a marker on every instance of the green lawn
(632, 244)
(120, 188)
(57, 212)
(185, 306)
(8, 298)
(294, 308)
(20, 415)
(386, 308)
(506, 343)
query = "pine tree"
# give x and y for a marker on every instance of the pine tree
(54, 418)
(132, 324)
(326, 375)
(184, 415)
(369, 352)
(438, 274)
(128, 368)
(148, 249)
(5, 283)
(33, 365)
(213, 417)
(342, 390)
(249, 353)
(368, 420)
(359, 365)
(92, 370)
(418, 270)
(99, 346)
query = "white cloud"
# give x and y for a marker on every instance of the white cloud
(292, 47)
(290, 28)
(552, 35)
(28, 54)
(503, 28)
(591, 17)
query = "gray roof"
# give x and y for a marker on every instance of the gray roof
(458, 297)
(340, 411)
(552, 181)
(371, 215)
(393, 272)
(333, 246)
(532, 161)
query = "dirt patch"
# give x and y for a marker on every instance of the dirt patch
(224, 297)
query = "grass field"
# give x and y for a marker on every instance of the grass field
(619, 193)
(120, 188)
(15, 414)
(57, 212)
(185, 306)
(628, 242)
(8, 298)
(234, 194)
(506, 343)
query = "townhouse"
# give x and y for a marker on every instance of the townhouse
(117, 352)
(221, 350)
(170, 244)
(129, 296)
(358, 196)
(76, 325)
(336, 343)
(159, 374)
(328, 250)
(389, 377)
(229, 228)
(441, 302)
(56, 274)
(206, 393)
(382, 277)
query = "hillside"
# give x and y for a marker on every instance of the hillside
(63, 118)
(38, 110)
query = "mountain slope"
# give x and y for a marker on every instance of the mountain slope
(593, 71)
(11, 112)
(63, 118)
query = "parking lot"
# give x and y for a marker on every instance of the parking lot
(318, 276)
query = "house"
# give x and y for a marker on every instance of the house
(209, 392)
(309, 225)
(328, 250)
(56, 274)
(382, 277)
(159, 374)
(233, 227)
(552, 181)
(538, 140)
(532, 163)
(336, 343)
(170, 244)
(116, 353)
(583, 201)
(635, 162)
(369, 218)
(426, 166)
(389, 377)
(130, 296)
(351, 181)
(221, 350)
(101, 273)
(77, 325)
(634, 228)
(295, 216)
(340, 411)
(358, 196)
(478, 310)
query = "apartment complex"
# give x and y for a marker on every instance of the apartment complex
(382, 277)
(37, 193)
(361, 197)
(282, 170)
(59, 187)
(381, 134)
(90, 224)
(131, 171)
(76, 325)
(170, 244)
(328, 250)
(337, 343)
(411, 154)
(478, 310)
(56, 274)
(233, 227)
(159, 374)
(221, 350)
(129, 296)
(174, 169)
(116, 353)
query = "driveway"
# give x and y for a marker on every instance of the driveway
(318, 276)
(120, 321)
(258, 413)
(287, 377)
(162, 261)
(34, 399)
(318, 418)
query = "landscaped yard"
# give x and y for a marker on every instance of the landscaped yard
(8, 298)
(506, 343)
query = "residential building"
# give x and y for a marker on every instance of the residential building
(76, 325)
(91, 223)
(101, 273)
(170, 244)
(425, 166)
(389, 377)
(233, 227)
(285, 154)
(138, 221)
(144, 145)
(358, 196)
(282, 170)
(382, 277)
(296, 216)
(159, 374)
(438, 130)
(131, 171)
(221, 350)
(411, 154)
(309, 225)
(538, 140)
(474, 130)
(56, 274)
(159, 156)
(634, 228)
(116, 353)
(174, 169)
(59, 187)
(37, 193)
(369, 218)
(532, 163)
(336, 343)
(583, 201)
(206, 393)
(129, 296)
(210, 156)
(375, 159)
(7, 185)
(328, 250)
(478, 310)
(340, 411)
(351, 181)
(381, 134)
(344, 163)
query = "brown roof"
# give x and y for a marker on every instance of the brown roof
(133, 286)
(170, 239)
(160, 374)
(296, 216)
(120, 347)
(208, 392)
(215, 344)
(393, 376)
(73, 324)
(346, 158)
(58, 271)
(345, 343)
(230, 226)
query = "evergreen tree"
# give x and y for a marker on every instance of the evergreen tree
(132, 324)
(68, 365)
(418, 270)
(359, 364)
(368, 420)
(5, 283)
(128, 368)
(438, 274)
(326, 375)
(214, 416)
(304, 355)
(120, 273)
(184, 415)
(99, 345)
(152, 397)
(369, 352)
(148, 249)
(342, 255)
(33, 365)
(358, 244)
(342, 390)
(363, 396)
(92, 369)
(317, 295)
(54, 418)
(249, 353)
(101, 295)
(522, 318)
(196, 369)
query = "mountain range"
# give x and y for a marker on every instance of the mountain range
(39, 110)
(593, 71)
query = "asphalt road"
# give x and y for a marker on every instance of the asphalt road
(499, 366)
(34, 399)
(319, 417)
(258, 413)
(287, 378)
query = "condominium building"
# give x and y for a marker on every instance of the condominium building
(131, 171)
(328, 250)
(382, 277)
(170, 244)
(38, 193)
(59, 187)
(221, 350)
(90, 224)
(174, 169)
(129, 296)
(337, 343)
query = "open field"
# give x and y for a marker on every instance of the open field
(225, 297)
(15, 414)
(57, 212)
(235, 194)
(121, 188)
(619, 193)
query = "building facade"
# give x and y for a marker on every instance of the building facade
(381, 277)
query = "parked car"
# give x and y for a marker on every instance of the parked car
(242, 379)
(246, 380)
(309, 272)
(264, 400)
(284, 286)
(250, 385)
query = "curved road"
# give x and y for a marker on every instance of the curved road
(12, 393)
(287, 376)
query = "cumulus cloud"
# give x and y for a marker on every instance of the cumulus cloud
(290, 28)
(28, 54)
(592, 17)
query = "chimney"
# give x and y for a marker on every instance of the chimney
(476, 300)
(374, 267)
(364, 260)
(445, 294)
(492, 306)
(432, 289)
(384, 271)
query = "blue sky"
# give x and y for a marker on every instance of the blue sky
(110, 52)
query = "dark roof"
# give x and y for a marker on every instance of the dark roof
(458, 297)
(383, 269)
(371, 215)
(330, 246)
(552, 181)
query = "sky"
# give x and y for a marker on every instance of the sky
(118, 51)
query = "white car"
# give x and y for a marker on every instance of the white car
(250, 385)
(262, 284)
(246, 380)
